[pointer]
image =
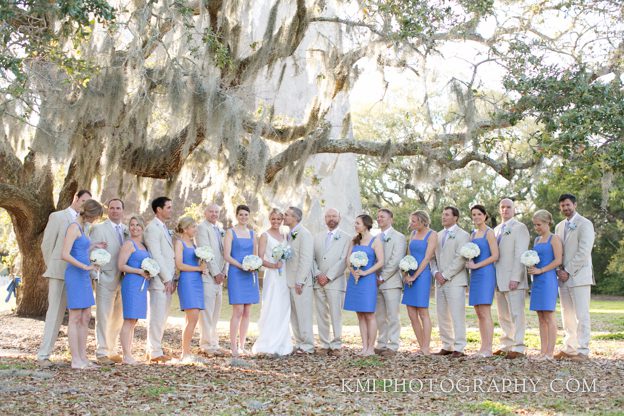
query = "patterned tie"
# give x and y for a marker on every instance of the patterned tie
(218, 234)
(500, 234)
(444, 237)
(119, 233)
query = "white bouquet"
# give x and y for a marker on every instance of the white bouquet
(407, 264)
(470, 251)
(529, 258)
(204, 253)
(252, 263)
(281, 252)
(151, 267)
(358, 259)
(99, 257)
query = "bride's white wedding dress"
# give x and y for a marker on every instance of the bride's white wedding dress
(274, 324)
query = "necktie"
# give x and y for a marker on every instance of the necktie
(383, 237)
(444, 237)
(119, 233)
(566, 229)
(167, 233)
(218, 234)
(500, 234)
(328, 239)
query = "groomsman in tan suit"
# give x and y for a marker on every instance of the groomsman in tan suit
(390, 286)
(511, 280)
(109, 311)
(330, 253)
(210, 234)
(159, 243)
(451, 280)
(299, 270)
(576, 277)
(51, 247)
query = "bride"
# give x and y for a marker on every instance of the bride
(273, 326)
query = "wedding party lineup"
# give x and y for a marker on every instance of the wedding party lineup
(130, 270)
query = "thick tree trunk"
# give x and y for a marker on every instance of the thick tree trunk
(32, 297)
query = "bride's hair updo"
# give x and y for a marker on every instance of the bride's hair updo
(183, 224)
(367, 220)
(276, 211)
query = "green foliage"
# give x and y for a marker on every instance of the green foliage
(491, 408)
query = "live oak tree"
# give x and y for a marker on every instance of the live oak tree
(147, 87)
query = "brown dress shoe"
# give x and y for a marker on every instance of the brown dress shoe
(379, 350)
(160, 359)
(105, 361)
(323, 351)
(117, 359)
(457, 354)
(388, 353)
(512, 355)
(578, 357)
(500, 353)
(45, 363)
(561, 355)
(443, 352)
(335, 353)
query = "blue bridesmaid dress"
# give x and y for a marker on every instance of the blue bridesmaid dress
(544, 288)
(417, 294)
(133, 299)
(362, 297)
(482, 280)
(242, 289)
(190, 286)
(77, 281)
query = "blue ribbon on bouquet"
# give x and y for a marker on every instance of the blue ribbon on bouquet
(12, 288)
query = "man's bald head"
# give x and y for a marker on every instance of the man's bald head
(507, 209)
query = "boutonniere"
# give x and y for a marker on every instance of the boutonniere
(171, 233)
(294, 234)
(221, 232)
(337, 237)
(507, 231)
(451, 235)
(385, 239)
(126, 233)
(572, 226)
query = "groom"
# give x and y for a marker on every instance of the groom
(299, 278)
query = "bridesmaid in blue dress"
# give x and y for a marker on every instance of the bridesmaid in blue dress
(362, 297)
(545, 286)
(483, 278)
(417, 287)
(134, 285)
(190, 284)
(242, 285)
(76, 249)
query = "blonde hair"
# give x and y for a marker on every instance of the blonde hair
(183, 224)
(422, 216)
(543, 216)
(139, 221)
(276, 211)
(91, 209)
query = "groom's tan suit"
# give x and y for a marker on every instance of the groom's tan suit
(513, 240)
(575, 293)
(330, 254)
(299, 270)
(159, 243)
(451, 296)
(109, 311)
(387, 311)
(211, 235)
(52, 247)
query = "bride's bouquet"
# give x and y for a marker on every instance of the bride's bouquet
(358, 259)
(470, 251)
(281, 252)
(204, 253)
(252, 263)
(151, 267)
(99, 257)
(529, 258)
(408, 264)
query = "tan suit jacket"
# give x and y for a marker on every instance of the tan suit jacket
(448, 261)
(299, 267)
(513, 242)
(52, 243)
(160, 248)
(394, 246)
(110, 276)
(331, 260)
(208, 236)
(577, 248)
